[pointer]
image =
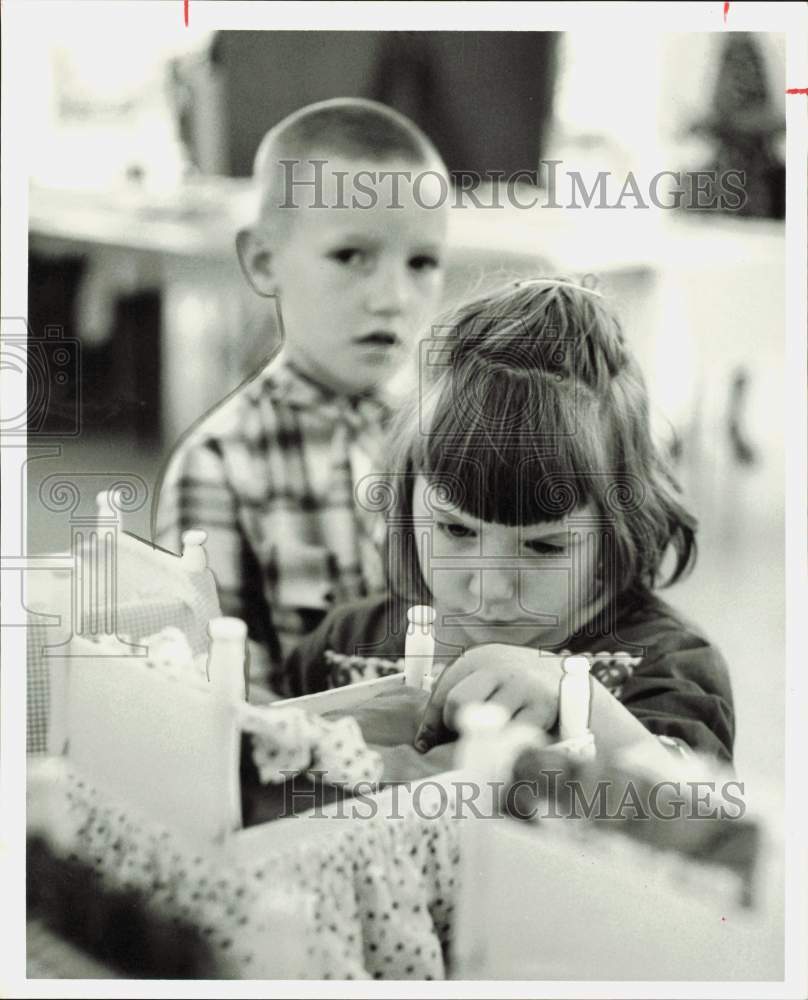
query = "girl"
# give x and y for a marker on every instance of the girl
(527, 504)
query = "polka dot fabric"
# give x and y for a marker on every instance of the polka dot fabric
(347, 669)
(373, 900)
(611, 669)
(289, 740)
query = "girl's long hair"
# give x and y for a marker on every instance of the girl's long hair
(528, 406)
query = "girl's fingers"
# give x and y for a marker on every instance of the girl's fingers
(514, 697)
(432, 729)
(476, 687)
(533, 714)
(493, 669)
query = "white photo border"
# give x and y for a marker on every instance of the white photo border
(22, 24)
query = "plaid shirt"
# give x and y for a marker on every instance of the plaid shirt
(270, 476)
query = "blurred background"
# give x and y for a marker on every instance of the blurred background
(140, 163)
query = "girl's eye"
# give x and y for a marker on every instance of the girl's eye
(349, 255)
(454, 530)
(545, 548)
(424, 262)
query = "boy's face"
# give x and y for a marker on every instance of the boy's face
(496, 583)
(356, 284)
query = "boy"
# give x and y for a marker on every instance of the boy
(349, 239)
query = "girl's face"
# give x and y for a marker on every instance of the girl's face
(530, 585)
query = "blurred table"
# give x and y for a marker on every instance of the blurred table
(181, 244)
(215, 330)
(685, 284)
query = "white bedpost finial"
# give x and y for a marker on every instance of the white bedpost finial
(574, 699)
(103, 502)
(481, 719)
(419, 647)
(226, 669)
(481, 727)
(194, 556)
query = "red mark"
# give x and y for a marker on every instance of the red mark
(185, 10)
(797, 90)
(726, 11)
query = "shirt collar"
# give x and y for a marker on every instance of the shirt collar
(291, 385)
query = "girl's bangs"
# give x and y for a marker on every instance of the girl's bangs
(533, 409)
(513, 452)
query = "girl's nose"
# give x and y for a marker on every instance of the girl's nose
(490, 586)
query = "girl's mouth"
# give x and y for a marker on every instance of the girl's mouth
(470, 619)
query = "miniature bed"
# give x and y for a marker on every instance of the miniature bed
(112, 585)
(141, 799)
(143, 802)
(354, 893)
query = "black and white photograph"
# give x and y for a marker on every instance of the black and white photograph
(404, 499)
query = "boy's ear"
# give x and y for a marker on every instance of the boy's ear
(255, 258)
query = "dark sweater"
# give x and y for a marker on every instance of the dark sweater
(681, 688)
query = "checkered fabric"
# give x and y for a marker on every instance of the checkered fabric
(153, 591)
(270, 476)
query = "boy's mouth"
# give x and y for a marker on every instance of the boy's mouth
(379, 338)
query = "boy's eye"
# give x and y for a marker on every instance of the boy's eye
(545, 548)
(424, 262)
(349, 255)
(455, 530)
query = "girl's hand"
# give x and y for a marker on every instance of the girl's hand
(402, 763)
(524, 681)
(389, 719)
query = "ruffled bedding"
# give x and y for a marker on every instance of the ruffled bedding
(361, 897)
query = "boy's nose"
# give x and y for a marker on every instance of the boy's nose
(390, 290)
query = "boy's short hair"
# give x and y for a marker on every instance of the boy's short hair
(352, 127)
